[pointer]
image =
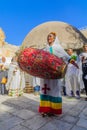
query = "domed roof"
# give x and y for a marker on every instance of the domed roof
(69, 36)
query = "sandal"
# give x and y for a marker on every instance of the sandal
(43, 114)
(50, 114)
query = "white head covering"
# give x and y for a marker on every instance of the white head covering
(58, 50)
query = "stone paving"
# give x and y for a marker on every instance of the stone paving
(22, 114)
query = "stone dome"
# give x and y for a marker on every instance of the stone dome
(69, 36)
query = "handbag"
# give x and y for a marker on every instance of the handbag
(4, 80)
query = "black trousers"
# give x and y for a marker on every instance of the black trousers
(85, 83)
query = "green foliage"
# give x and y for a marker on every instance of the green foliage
(74, 57)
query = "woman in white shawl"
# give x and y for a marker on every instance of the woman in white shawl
(50, 96)
(16, 80)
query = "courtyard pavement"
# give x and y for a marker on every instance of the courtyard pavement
(22, 114)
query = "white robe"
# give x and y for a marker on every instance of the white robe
(71, 80)
(16, 80)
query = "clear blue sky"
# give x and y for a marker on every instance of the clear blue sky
(18, 17)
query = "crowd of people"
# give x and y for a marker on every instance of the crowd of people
(12, 81)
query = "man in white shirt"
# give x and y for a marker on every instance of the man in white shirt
(71, 77)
